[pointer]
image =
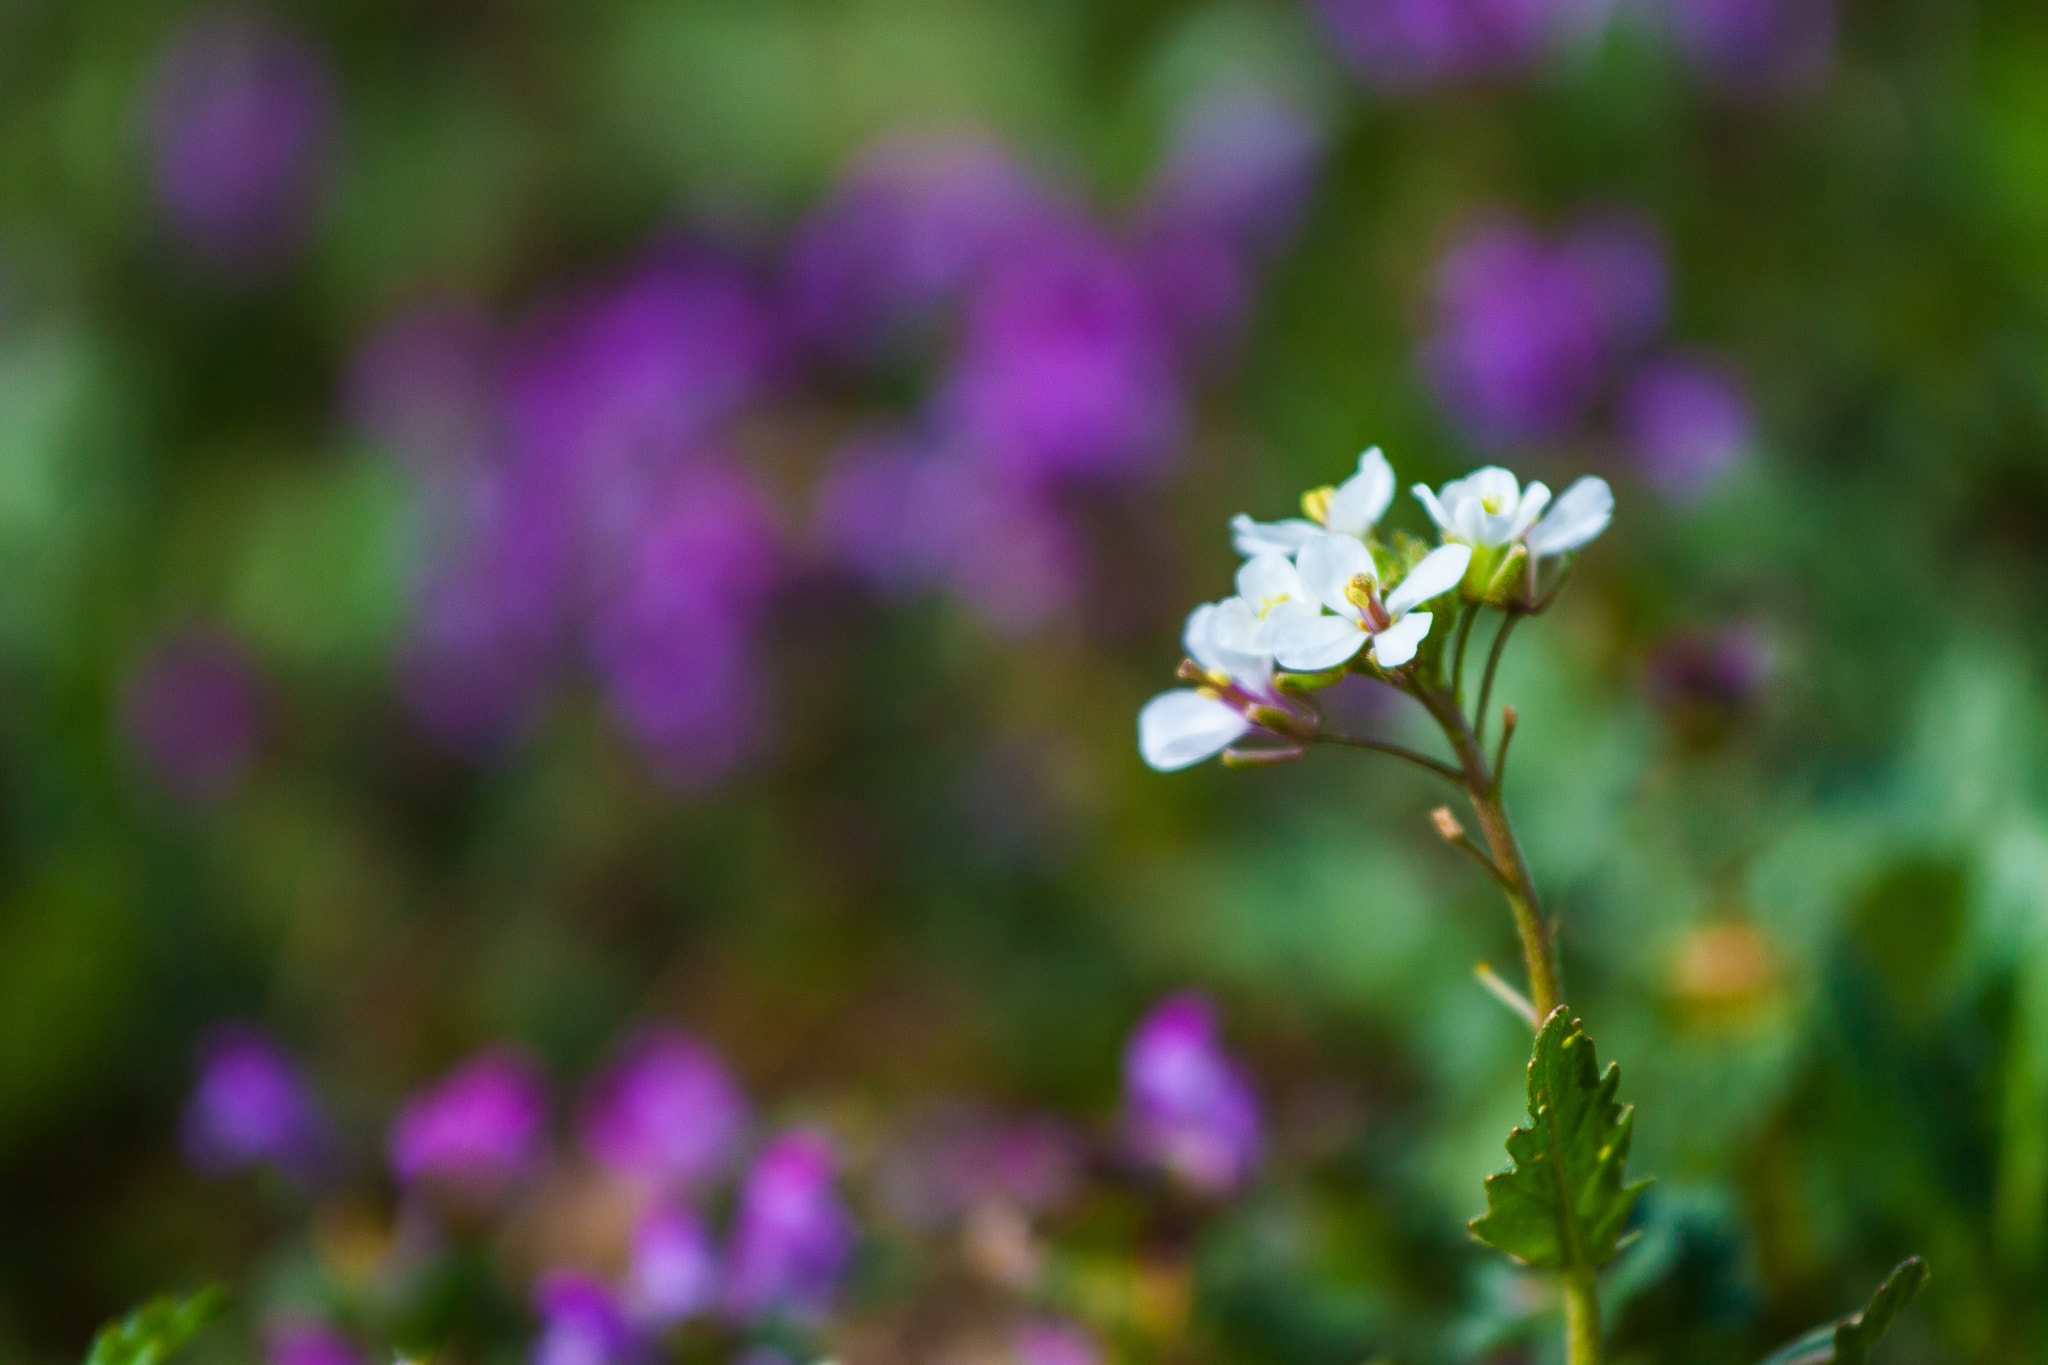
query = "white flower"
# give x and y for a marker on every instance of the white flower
(1353, 507)
(1265, 582)
(1331, 567)
(1253, 538)
(1580, 513)
(1486, 509)
(1185, 726)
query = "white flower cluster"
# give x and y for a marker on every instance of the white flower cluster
(1315, 593)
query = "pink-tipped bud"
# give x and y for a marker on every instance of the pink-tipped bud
(1238, 757)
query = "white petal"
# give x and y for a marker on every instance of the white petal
(1361, 500)
(1199, 638)
(1239, 643)
(1580, 513)
(1280, 616)
(1329, 563)
(1535, 498)
(1266, 580)
(1438, 573)
(1309, 644)
(1483, 505)
(1182, 727)
(1432, 506)
(1270, 537)
(1396, 644)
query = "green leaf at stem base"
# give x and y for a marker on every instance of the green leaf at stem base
(1562, 1204)
(1851, 1340)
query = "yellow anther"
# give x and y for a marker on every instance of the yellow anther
(1315, 504)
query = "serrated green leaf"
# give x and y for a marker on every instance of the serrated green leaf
(150, 1333)
(1562, 1204)
(1850, 1340)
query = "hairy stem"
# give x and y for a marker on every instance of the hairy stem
(1538, 951)
(1581, 1318)
(1483, 790)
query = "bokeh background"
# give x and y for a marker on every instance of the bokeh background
(610, 551)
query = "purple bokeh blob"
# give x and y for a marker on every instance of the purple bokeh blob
(241, 117)
(192, 711)
(792, 1238)
(253, 1106)
(1685, 423)
(477, 1130)
(1188, 1108)
(666, 1114)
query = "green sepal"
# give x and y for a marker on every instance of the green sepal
(153, 1331)
(1312, 682)
(1562, 1205)
(1509, 579)
(1851, 1340)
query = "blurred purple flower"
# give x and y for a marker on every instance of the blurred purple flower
(666, 1113)
(674, 1272)
(304, 1341)
(1187, 1107)
(910, 519)
(1241, 164)
(1620, 255)
(1528, 331)
(1055, 1343)
(672, 629)
(1401, 46)
(241, 117)
(1064, 372)
(192, 711)
(581, 1323)
(490, 610)
(615, 392)
(792, 1237)
(909, 227)
(252, 1106)
(1755, 46)
(425, 386)
(1685, 422)
(476, 1131)
(1723, 668)
(1231, 188)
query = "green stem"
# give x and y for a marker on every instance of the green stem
(1539, 948)
(1500, 644)
(1581, 1318)
(1483, 790)
(1539, 952)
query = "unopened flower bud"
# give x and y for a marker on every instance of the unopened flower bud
(1236, 757)
(1309, 682)
(1510, 581)
(1479, 574)
(1315, 504)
